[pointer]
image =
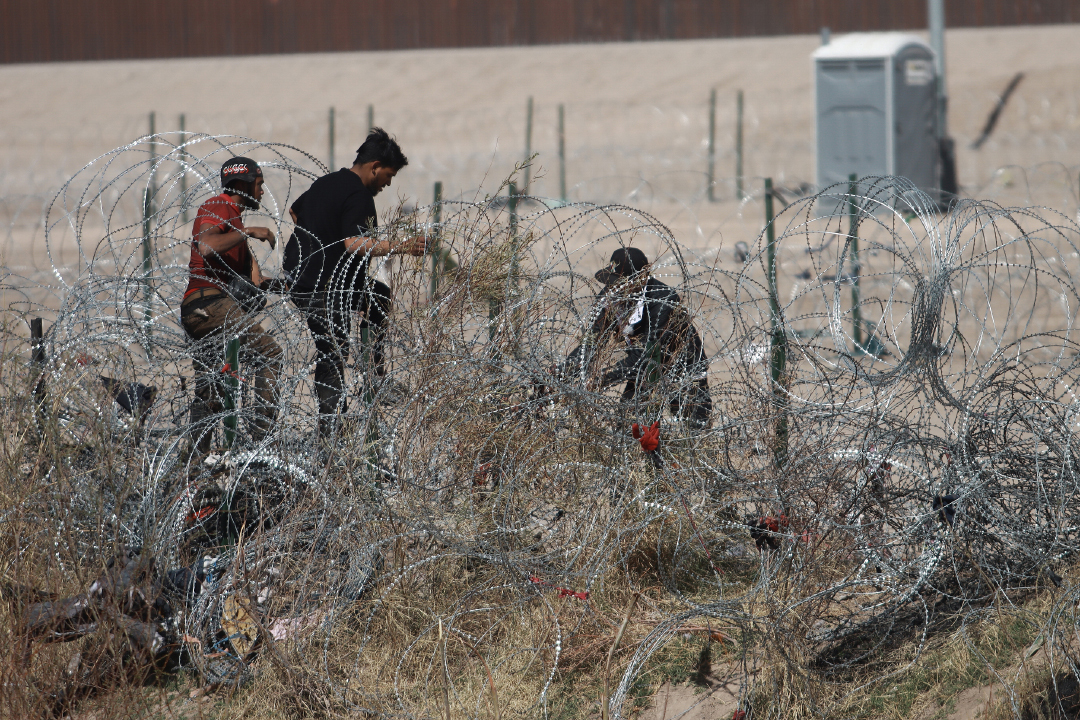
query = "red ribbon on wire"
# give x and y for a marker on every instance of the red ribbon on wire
(227, 370)
(563, 592)
(200, 514)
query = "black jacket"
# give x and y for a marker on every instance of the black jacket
(654, 327)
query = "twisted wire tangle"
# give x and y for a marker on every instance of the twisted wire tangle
(918, 439)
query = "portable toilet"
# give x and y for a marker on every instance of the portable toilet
(876, 109)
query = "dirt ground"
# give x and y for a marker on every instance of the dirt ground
(636, 124)
(636, 120)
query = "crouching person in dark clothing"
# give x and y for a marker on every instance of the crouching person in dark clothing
(650, 324)
(220, 301)
(326, 261)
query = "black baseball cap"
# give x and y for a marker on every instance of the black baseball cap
(624, 263)
(240, 168)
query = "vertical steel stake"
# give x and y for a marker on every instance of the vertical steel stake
(777, 340)
(739, 147)
(493, 305)
(232, 389)
(528, 143)
(370, 117)
(856, 271)
(512, 207)
(711, 176)
(183, 171)
(37, 347)
(37, 369)
(436, 251)
(330, 136)
(148, 213)
(562, 153)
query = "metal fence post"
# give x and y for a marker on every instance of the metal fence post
(528, 143)
(370, 117)
(436, 251)
(711, 176)
(183, 171)
(856, 271)
(37, 362)
(512, 201)
(493, 305)
(739, 147)
(777, 339)
(562, 153)
(330, 138)
(232, 387)
(148, 213)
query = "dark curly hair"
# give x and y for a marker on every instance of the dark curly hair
(381, 147)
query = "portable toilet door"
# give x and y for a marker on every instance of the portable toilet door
(876, 109)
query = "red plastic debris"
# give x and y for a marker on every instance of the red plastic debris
(200, 514)
(563, 592)
(83, 360)
(481, 475)
(648, 437)
(228, 370)
(739, 715)
(769, 523)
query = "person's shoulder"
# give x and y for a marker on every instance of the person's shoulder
(354, 185)
(659, 291)
(220, 199)
(654, 286)
(219, 207)
(341, 183)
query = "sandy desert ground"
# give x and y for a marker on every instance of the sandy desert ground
(636, 123)
(636, 120)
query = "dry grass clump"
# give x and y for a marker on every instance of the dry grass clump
(486, 538)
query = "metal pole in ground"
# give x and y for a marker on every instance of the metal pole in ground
(232, 387)
(183, 171)
(370, 117)
(935, 10)
(512, 207)
(493, 305)
(711, 176)
(148, 212)
(777, 340)
(739, 147)
(330, 138)
(37, 362)
(436, 251)
(562, 153)
(528, 143)
(853, 234)
(512, 282)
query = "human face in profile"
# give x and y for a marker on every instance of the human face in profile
(380, 177)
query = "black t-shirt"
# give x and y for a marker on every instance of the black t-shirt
(335, 207)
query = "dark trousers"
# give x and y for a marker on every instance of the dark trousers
(690, 401)
(210, 323)
(680, 357)
(329, 317)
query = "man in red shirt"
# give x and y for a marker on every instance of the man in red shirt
(211, 313)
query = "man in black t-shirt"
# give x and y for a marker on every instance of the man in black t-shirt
(326, 262)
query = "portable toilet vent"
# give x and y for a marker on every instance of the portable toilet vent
(876, 109)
